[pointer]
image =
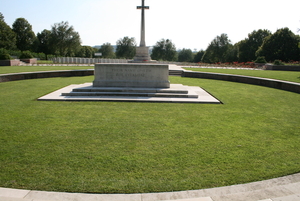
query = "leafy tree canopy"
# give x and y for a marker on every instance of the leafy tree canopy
(282, 45)
(198, 56)
(86, 52)
(65, 41)
(7, 36)
(126, 48)
(164, 50)
(217, 49)
(185, 55)
(248, 47)
(107, 51)
(26, 39)
(44, 41)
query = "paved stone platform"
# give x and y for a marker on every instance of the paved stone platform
(177, 93)
(279, 189)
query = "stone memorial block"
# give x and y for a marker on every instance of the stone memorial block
(131, 75)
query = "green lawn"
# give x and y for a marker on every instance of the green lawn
(115, 147)
(18, 69)
(280, 75)
(292, 76)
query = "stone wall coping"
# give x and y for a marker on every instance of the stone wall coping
(268, 82)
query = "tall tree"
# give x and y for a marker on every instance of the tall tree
(198, 56)
(216, 50)
(7, 36)
(86, 52)
(26, 39)
(65, 41)
(231, 54)
(248, 47)
(126, 48)
(185, 55)
(164, 50)
(107, 51)
(282, 45)
(44, 41)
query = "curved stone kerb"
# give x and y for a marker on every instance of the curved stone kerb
(277, 84)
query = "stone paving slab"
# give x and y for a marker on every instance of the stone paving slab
(194, 199)
(288, 198)
(203, 96)
(279, 189)
(58, 196)
(15, 193)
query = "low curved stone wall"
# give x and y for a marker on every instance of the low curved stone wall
(278, 84)
(282, 68)
(44, 74)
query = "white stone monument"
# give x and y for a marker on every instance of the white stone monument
(141, 80)
(132, 75)
(142, 52)
(138, 73)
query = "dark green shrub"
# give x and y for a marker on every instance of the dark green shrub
(26, 55)
(261, 60)
(4, 54)
(278, 62)
(15, 53)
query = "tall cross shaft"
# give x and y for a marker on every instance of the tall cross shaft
(143, 7)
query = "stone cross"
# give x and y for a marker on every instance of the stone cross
(143, 7)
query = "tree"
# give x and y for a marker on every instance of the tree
(216, 50)
(164, 50)
(86, 52)
(198, 56)
(185, 55)
(44, 41)
(107, 51)
(7, 36)
(248, 47)
(282, 45)
(126, 48)
(231, 54)
(26, 39)
(65, 41)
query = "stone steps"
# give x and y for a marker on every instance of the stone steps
(132, 90)
(176, 93)
(168, 95)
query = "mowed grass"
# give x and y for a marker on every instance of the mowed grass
(292, 76)
(115, 147)
(19, 69)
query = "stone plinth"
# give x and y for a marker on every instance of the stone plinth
(142, 55)
(30, 61)
(132, 75)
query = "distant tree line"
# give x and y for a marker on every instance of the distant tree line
(283, 45)
(63, 40)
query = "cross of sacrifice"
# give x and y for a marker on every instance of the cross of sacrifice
(143, 7)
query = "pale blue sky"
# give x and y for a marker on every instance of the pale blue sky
(189, 24)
